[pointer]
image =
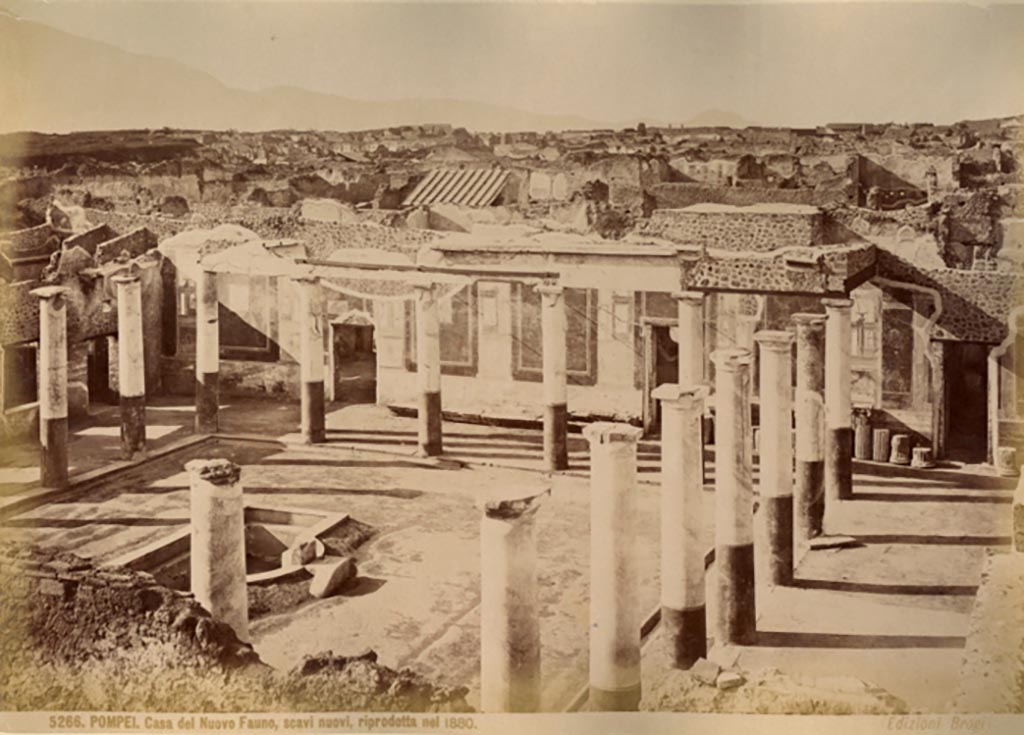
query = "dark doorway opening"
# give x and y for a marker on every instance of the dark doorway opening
(98, 372)
(355, 363)
(966, 371)
(662, 358)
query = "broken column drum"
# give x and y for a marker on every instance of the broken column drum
(862, 433)
(734, 498)
(683, 607)
(838, 407)
(428, 370)
(217, 553)
(880, 446)
(556, 414)
(776, 454)
(311, 361)
(131, 371)
(901, 448)
(690, 305)
(53, 386)
(207, 353)
(614, 588)
(809, 491)
(509, 608)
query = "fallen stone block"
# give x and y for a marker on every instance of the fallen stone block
(331, 575)
(303, 552)
(706, 672)
(729, 680)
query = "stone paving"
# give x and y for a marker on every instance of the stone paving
(893, 611)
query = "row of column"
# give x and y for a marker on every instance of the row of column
(53, 376)
(428, 366)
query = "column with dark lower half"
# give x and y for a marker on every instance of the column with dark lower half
(53, 386)
(683, 609)
(428, 370)
(838, 407)
(509, 608)
(809, 491)
(614, 589)
(131, 369)
(207, 353)
(776, 485)
(311, 361)
(690, 305)
(734, 500)
(556, 414)
(217, 553)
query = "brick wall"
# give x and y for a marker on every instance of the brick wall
(679, 195)
(135, 243)
(736, 229)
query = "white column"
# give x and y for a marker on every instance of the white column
(428, 369)
(311, 360)
(556, 414)
(217, 554)
(207, 353)
(838, 406)
(691, 337)
(683, 606)
(809, 492)
(509, 607)
(131, 369)
(614, 609)
(53, 385)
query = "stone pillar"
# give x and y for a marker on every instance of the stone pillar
(428, 370)
(838, 406)
(218, 542)
(509, 614)
(809, 492)
(881, 445)
(862, 433)
(207, 353)
(683, 608)
(311, 361)
(614, 589)
(734, 499)
(131, 369)
(776, 452)
(691, 337)
(556, 414)
(53, 386)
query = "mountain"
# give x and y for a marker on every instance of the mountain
(717, 119)
(53, 81)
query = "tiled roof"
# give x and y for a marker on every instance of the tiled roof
(473, 187)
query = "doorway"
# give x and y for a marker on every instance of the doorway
(966, 399)
(355, 363)
(98, 372)
(661, 362)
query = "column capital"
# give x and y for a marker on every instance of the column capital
(838, 304)
(49, 292)
(691, 297)
(806, 320)
(214, 471)
(731, 358)
(685, 396)
(125, 277)
(776, 340)
(607, 432)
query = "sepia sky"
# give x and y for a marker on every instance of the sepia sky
(795, 64)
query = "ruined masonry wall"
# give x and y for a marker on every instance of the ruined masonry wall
(679, 195)
(737, 230)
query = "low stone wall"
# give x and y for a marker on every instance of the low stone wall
(737, 229)
(677, 196)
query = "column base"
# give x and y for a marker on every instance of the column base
(809, 499)
(686, 634)
(313, 419)
(429, 417)
(737, 616)
(556, 437)
(839, 463)
(53, 452)
(207, 402)
(133, 425)
(614, 700)
(778, 519)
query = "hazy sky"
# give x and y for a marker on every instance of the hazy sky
(783, 64)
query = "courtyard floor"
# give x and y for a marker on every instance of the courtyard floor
(892, 610)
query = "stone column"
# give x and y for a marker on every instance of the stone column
(509, 608)
(53, 386)
(809, 492)
(777, 452)
(734, 499)
(556, 414)
(207, 353)
(614, 609)
(683, 609)
(131, 368)
(428, 370)
(311, 361)
(217, 551)
(691, 337)
(838, 407)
